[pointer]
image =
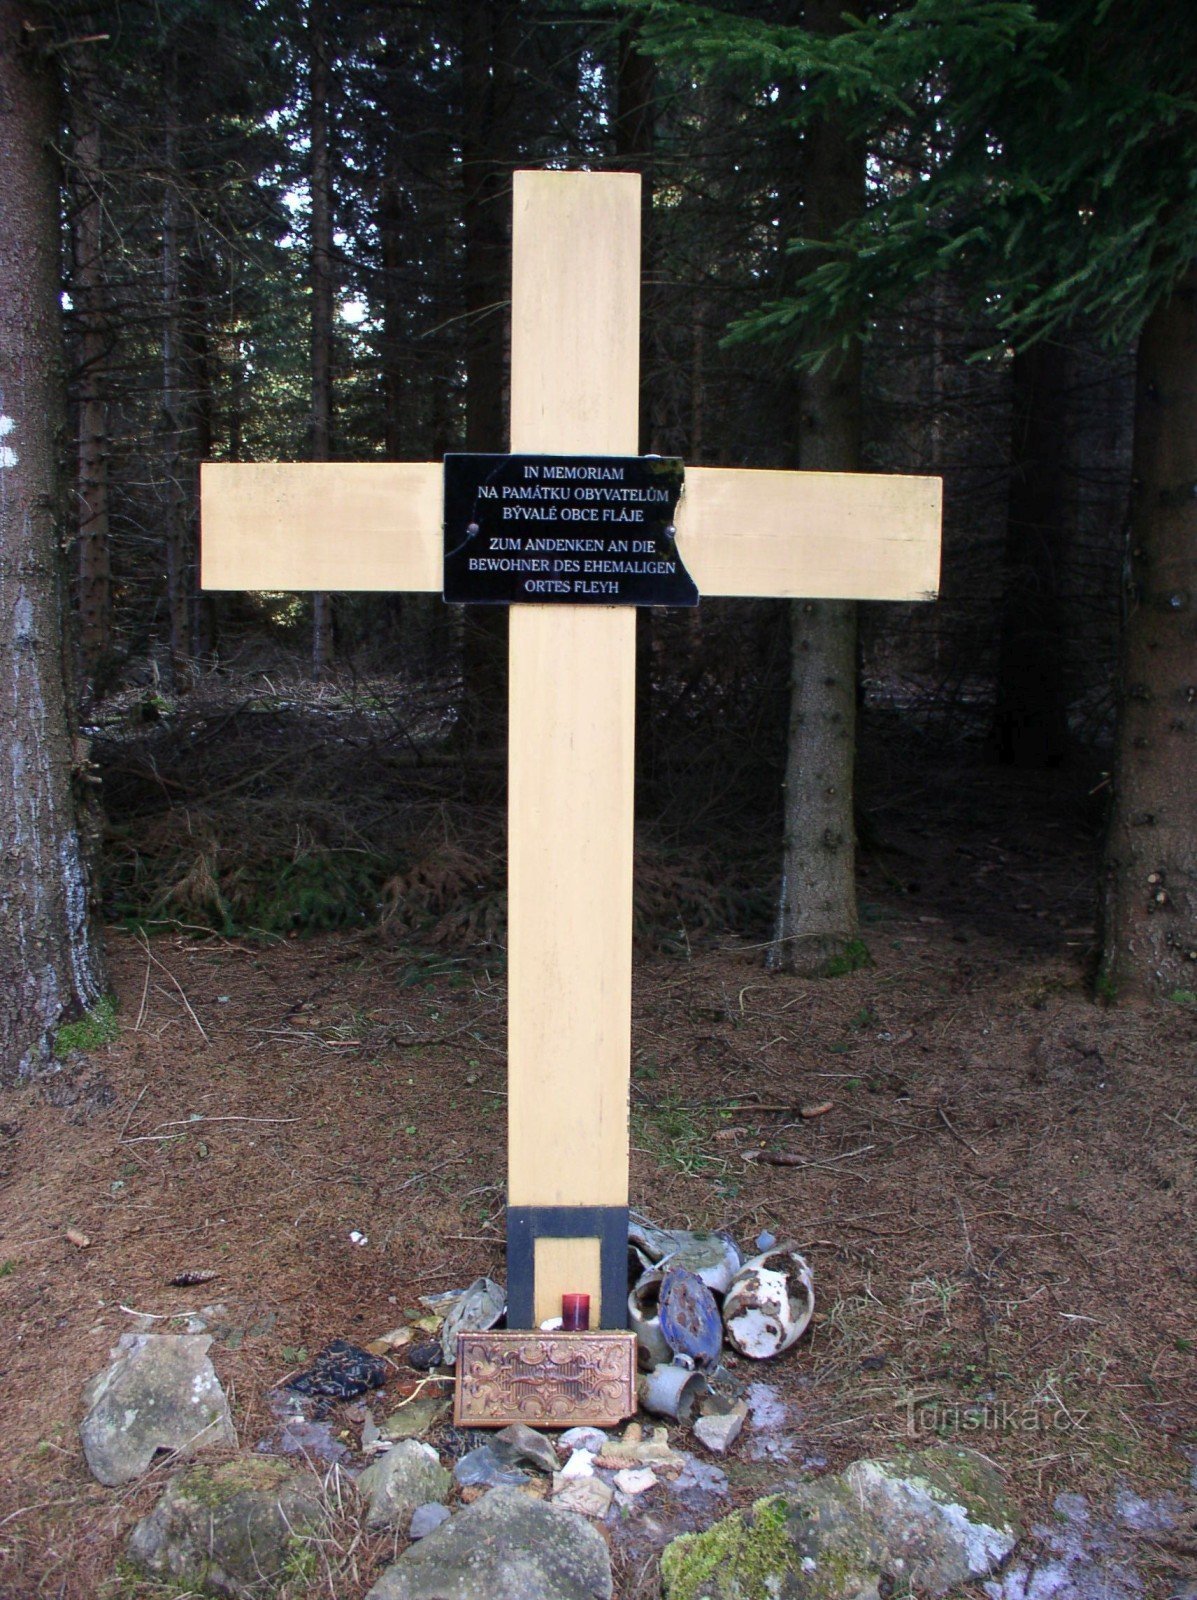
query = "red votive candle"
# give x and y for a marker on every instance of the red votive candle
(575, 1313)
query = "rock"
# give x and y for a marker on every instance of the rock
(414, 1417)
(234, 1529)
(160, 1393)
(427, 1518)
(719, 1433)
(425, 1355)
(928, 1524)
(486, 1468)
(520, 1443)
(635, 1480)
(409, 1474)
(506, 1546)
(635, 1451)
(590, 1497)
(592, 1439)
(579, 1465)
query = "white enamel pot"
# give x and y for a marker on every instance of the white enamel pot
(770, 1303)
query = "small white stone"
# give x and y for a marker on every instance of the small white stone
(635, 1480)
(579, 1465)
(720, 1433)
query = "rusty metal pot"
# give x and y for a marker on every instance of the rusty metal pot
(644, 1304)
(770, 1303)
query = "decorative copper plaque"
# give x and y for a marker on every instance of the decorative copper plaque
(553, 1380)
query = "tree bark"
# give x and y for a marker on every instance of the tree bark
(91, 312)
(322, 295)
(49, 963)
(176, 521)
(1030, 721)
(486, 68)
(817, 923)
(1150, 885)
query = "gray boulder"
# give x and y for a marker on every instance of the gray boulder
(506, 1546)
(237, 1529)
(927, 1523)
(406, 1477)
(160, 1393)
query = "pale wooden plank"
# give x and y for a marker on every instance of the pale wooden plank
(810, 535)
(575, 343)
(321, 525)
(377, 526)
(576, 1264)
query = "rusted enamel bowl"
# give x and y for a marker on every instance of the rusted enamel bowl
(770, 1303)
(644, 1319)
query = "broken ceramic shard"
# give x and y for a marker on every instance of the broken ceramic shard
(341, 1371)
(689, 1317)
(713, 1257)
(671, 1391)
(770, 1303)
(475, 1310)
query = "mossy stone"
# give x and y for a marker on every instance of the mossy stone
(929, 1522)
(236, 1529)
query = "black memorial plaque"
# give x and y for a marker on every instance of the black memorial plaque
(581, 530)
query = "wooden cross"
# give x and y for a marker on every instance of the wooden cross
(330, 526)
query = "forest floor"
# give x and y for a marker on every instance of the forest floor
(998, 1207)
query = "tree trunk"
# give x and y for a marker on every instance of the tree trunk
(1030, 721)
(1150, 900)
(322, 296)
(49, 965)
(177, 527)
(486, 67)
(817, 926)
(91, 312)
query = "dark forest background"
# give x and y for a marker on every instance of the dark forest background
(917, 239)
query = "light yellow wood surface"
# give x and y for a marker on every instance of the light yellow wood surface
(574, 358)
(338, 527)
(321, 525)
(569, 1266)
(810, 535)
(377, 526)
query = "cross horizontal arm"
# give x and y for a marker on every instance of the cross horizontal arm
(810, 535)
(323, 525)
(814, 535)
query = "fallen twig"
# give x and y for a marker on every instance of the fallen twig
(959, 1137)
(129, 1118)
(187, 1122)
(187, 1003)
(791, 1158)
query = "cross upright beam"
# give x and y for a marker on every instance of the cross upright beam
(328, 526)
(575, 341)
